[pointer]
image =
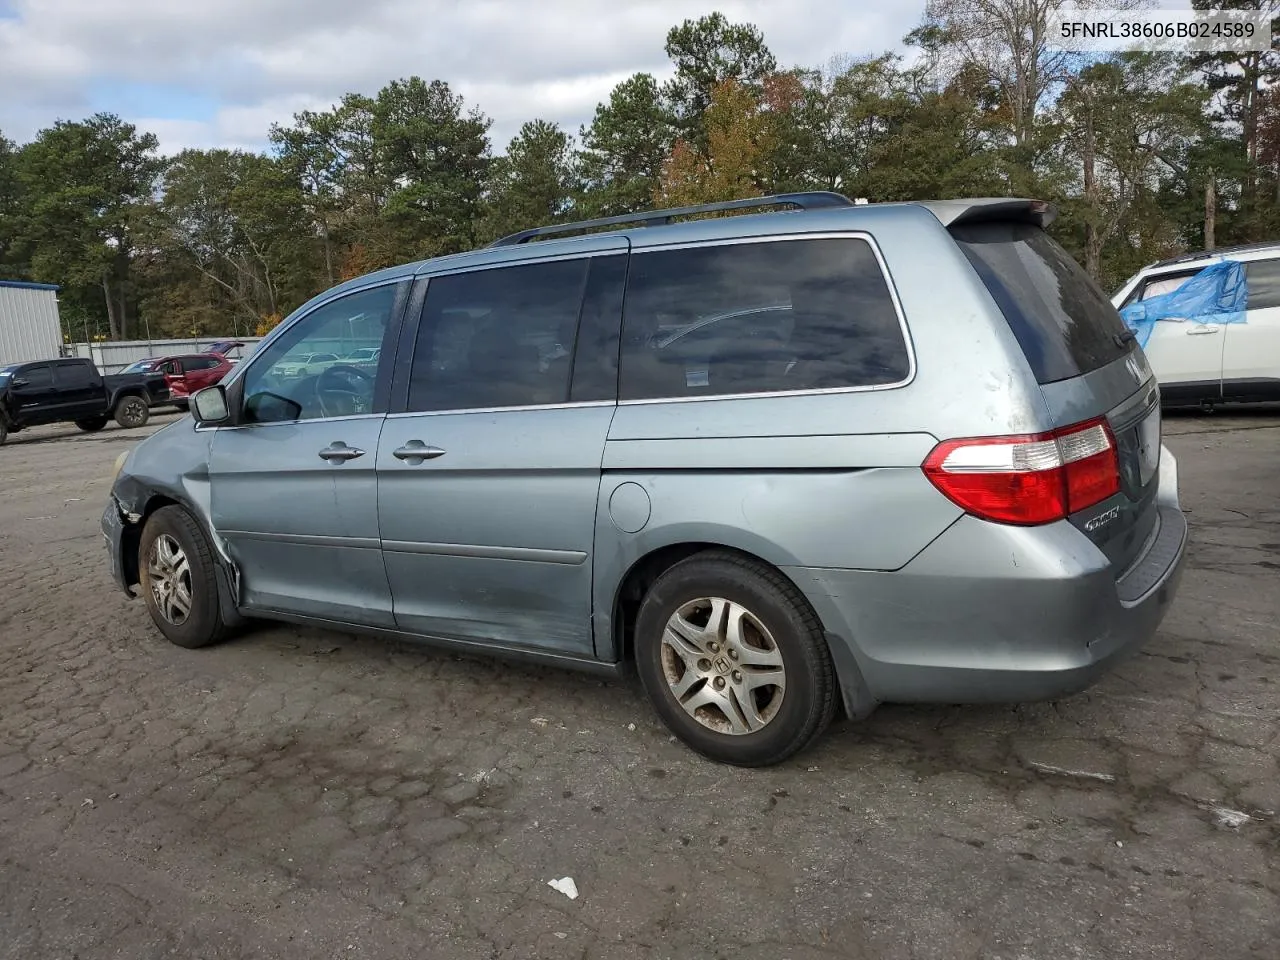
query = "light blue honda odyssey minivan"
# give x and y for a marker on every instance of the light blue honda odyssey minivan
(780, 456)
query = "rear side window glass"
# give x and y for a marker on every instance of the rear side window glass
(595, 362)
(502, 337)
(759, 318)
(71, 375)
(1263, 279)
(1063, 321)
(1159, 286)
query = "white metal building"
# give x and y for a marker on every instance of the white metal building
(29, 324)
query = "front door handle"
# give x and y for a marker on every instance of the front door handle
(415, 451)
(1201, 329)
(339, 452)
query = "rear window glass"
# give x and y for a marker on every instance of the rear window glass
(1063, 321)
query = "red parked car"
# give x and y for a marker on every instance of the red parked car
(185, 374)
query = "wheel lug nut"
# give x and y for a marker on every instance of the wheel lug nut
(737, 676)
(733, 654)
(704, 665)
(719, 683)
(713, 647)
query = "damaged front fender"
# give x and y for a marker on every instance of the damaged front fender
(169, 468)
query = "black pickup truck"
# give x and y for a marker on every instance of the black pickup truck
(74, 391)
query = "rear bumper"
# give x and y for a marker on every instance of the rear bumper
(990, 613)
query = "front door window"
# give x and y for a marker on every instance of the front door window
(299, 376)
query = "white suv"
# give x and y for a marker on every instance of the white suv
(1209, 363)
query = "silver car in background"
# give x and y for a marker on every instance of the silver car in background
(779, 463)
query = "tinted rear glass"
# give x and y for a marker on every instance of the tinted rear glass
(762, 317)
(74, 374)
(1263, 277)
(1064, 323)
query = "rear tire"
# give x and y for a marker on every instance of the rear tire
(132, 412)
(178, 579)
(4, 433)
(748, 679)
(92, 424)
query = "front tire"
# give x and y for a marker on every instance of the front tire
(132, 412)
(178, 579)
(734, 660)
(92, 424)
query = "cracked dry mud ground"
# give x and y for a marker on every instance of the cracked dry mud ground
(298, 794)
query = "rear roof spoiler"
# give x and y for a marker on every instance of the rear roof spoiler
(954, 212)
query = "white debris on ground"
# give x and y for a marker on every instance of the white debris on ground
(1064, 772)
(1226, 817)
(566, 886)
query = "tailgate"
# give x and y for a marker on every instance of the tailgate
(1087, 362)
(1127, 395)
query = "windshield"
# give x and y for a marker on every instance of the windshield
(141, 366)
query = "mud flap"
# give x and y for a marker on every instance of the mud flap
(857, 699)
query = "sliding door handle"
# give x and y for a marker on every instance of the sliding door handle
(415, 451)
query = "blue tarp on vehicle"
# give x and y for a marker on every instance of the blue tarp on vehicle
(1217, 294)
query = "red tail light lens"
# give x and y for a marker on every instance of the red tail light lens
(1028, 480)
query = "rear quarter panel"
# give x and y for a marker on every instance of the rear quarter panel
(827, 480)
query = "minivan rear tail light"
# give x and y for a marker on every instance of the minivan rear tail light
(1028, 480)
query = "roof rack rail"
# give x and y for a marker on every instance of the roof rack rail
(812, 200)
(1217, 252)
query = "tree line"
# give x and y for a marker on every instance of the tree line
(1145, 154)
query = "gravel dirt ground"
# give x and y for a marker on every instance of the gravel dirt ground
(300, 794)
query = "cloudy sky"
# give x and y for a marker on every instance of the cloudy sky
(219, 72)
(208, 73)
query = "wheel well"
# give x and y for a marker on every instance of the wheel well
(641, 577)
(132, 536)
